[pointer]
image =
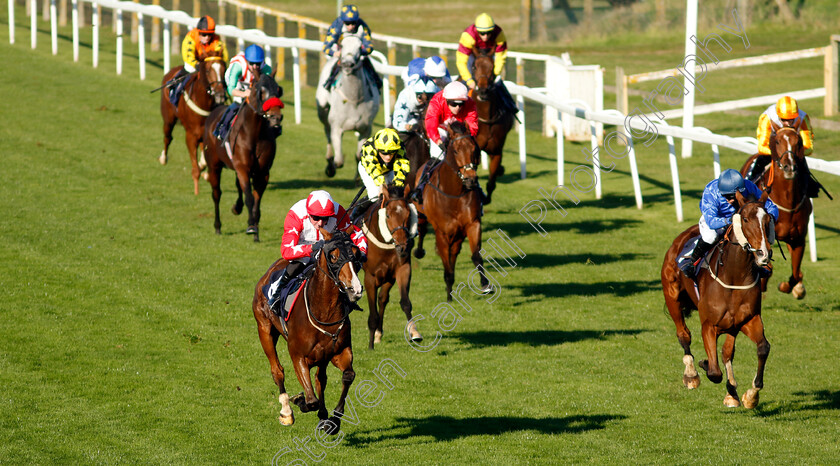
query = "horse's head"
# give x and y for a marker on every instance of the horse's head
(265, 98)
(350, 54)
(462, 154)
(787, 150)
(754, 228)
(483, 72)
(341, 259)
(212, 69)
(400, 220)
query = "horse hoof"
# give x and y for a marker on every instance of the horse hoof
(331, 426)
(287, 420)
(236, 209)
(500, 171)
(784, 287)
(691, 382)
(731, 402)
(750, 398)
(206, 176)
(218, 231)
(377, 337)
(299, 400)
(163, 158)
(330, 170)
(252, 230)
(415, 336)
(799, 291)
(419, 253)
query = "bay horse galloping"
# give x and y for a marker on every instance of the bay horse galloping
(317, 331)
(494, 122)
(249, 149)
(728, 297)
(389, 226)
(452, 204)
(786, 178)
(204, 91)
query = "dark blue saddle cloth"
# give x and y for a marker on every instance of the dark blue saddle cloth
(279, 299)
(686, 251)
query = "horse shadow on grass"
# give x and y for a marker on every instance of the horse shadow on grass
(314, 184)
(815, 400)
(535, 338)
(584, 226)
(540, 291)
(446, 428)
(536, 260)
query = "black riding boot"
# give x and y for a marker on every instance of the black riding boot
(686, 263)
(284, 280)
(417, 194)
(372, 71)
(360, 209)
(331, 78)
(176, 89)
(508, 103)
(813, 186)
(757, 168)
(223, 128)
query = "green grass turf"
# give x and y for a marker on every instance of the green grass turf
(127, 333)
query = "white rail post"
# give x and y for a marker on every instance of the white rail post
(75, 20)
(675, 174)
(690, 50)
(631, 152)
(715, 151)
(54, 27)
(119, 41)
(141, 44)
(11, 21)
(296, 81)
(33, 22)
(167, 45)
(812, 236)
(596, 158)
(95, 27)
(561, 149)
(523, 150)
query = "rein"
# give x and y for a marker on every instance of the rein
(348, 307)
(387, 243)
(457, 170)
(777, 161)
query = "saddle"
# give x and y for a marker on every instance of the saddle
(686, 250)
(282, 300)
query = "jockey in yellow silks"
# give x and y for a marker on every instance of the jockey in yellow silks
(201, 42)
(784, 113)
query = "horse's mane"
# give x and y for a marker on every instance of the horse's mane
(395, 192)
(268, 83)
(459, 127)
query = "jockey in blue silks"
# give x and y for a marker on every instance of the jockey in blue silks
(349, 23)
(717, 206)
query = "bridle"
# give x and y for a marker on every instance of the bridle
(341, 241)
(391, 243)
(777, 160)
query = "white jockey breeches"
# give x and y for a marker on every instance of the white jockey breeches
(434, 150)
(709, 236)
(372, 189)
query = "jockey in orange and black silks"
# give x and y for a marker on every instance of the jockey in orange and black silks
(201, 42)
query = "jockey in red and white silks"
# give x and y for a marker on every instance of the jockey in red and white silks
(301, 230)
(447, 106)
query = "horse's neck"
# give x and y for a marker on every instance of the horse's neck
(448, 174)
(737, 264)
(200, 85)
(322, 288)
(353, 85)
(486, 108)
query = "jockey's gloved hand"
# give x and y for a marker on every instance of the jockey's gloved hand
(442, 147)
(317, 246)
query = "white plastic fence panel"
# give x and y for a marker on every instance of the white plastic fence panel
(579, 82)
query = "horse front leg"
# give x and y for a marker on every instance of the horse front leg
(214, 178)
(384, 296)
(245, 188)
(754, 330)
(794, 283)
(268, 339)
(344, 362)
(320, 385)
(448, 248)
(691, 379)
(474, 236)
(422, 229)
(496, 170)
(306, 401)
(404, 281)
(193, 140)
(169, 122)
(335, 137)
(373, 316)
(260, 184)
(711, 366)
(731, 399)
(236, 209)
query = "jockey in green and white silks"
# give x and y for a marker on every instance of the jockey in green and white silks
(239, 76)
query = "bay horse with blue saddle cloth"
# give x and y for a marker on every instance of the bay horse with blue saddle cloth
(317, 329)
(727, 295)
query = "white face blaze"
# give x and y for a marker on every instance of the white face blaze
(355, 284)
(764, 257)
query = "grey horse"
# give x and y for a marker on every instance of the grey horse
(350, 105)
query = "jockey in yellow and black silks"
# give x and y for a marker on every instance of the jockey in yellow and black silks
(383, 164)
